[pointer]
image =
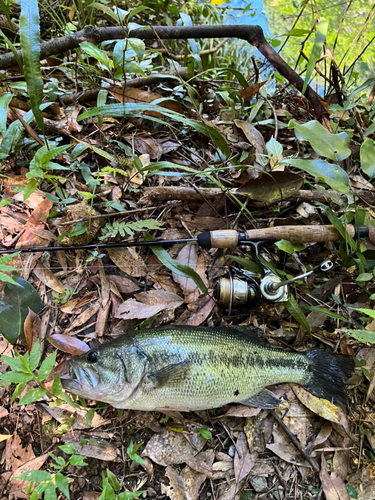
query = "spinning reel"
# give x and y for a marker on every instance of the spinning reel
(244, 288)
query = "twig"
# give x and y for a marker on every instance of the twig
(252, 34)
(114, 214)
(295, 442)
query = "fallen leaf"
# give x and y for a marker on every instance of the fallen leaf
(251, 91)
(4, 437)
(333, 486)
(46, 276)
(323, 435)
(189, 257)
(243, 460)
(3, 413)
(68, 344)
(31, 332)
(16, 455)
(83, 318)
(186, 485)
(128, 261)
(321, 407)
(95, 447)
(145, 145)
(171, 448)
(18, 487)
(288, 453)
(271, 187)
(242, 411)
(124, 285)
(255, 138)
(202, 313)
(77, 417)
(124, 94)
(72, 306)
(148, 304)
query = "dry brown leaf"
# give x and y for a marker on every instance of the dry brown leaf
(128, 261)
(171, 448)
(3, 412)
(189, 257)
(124, 94)
(243, 460)
(96, 447)
(91, 495)
(18, 487)
(84, 317)
(72, 306)
(16, 454)
(102, 320)
(148, 304)
(206, 305)
(288, 453)
(31, 330)
(333, 486)
(242, 411)
(255, 138)
(145, 145)
(251, 91)
(186, 485)
(46, 276)
(124, 285)
(71, 345)
(321, 407)
(275, 186)
(324, 433)
(77, 417)
(34, 234)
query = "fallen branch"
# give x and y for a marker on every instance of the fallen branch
(177, 193)
(252, 34)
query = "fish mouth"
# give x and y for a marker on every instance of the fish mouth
(81, 379)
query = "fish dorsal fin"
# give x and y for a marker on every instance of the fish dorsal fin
(170, 374)
(264, 399)
(252, 333)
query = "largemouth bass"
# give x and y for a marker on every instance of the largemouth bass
(197, 368)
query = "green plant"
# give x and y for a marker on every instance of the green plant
(48, 482)
(132, 452)
(111, 488)
(62, 298)
(4, 268)
(23, 368)
(111, 230)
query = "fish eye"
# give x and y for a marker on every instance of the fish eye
(93, 357)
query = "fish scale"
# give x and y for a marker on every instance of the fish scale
(198, 368)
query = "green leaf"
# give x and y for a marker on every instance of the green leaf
(364, 277)
(274, 147)
(10, 45)
(138, 46)
(47, 366)
(327, 312)
(175, 266)
(29, 189)
(7, 279)
(34, 356)
(79, 228)
(130, 495)
(205, 433)
(369, 312)
(332, 146)
(108, 493)
(35, 476)
(113, 481)
(363, 336)
(320, 38)
(248, 264)
(297, 32)
(77, 460)
(4, 103)
(367, 155)
(352, 492)
(339, 226)
(32, 396)
(50, 492)
(333, 175)
(56, 387)
(16, 364)
(294, 310)
(285, 246)
(89, 416)
(67, 448)
(15, 302)
(30, 47)
(93, 51)
(63, 484)
(15, 377)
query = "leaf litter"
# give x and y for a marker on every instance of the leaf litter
(89, 300)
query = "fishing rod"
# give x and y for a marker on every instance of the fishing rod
(229, 238)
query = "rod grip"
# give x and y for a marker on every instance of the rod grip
(300, 234)
(225, 238)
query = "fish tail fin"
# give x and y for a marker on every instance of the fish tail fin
(329, 374)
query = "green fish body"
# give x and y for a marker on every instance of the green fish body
(197, 368)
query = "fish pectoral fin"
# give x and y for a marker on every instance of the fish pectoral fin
(170, 374)
(264, 399)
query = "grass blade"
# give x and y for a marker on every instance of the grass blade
(320, 38)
